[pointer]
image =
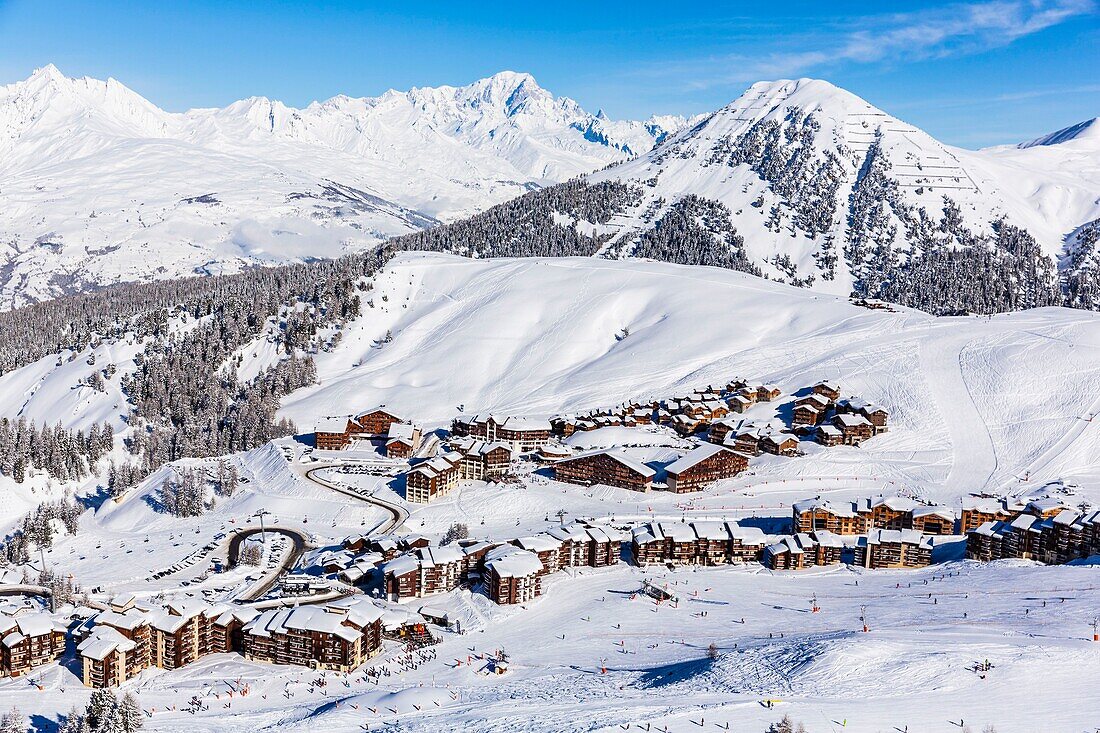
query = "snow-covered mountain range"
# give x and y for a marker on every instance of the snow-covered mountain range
(98, 185)
(797, 180)
(804, 182)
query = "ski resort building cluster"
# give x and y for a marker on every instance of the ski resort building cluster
(867, 514)
(128, 637)
(509, 572)
(1045, 531)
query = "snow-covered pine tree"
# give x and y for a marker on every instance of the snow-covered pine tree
(130, 716)
(13, 721)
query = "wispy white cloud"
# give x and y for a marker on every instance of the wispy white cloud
(952, 30)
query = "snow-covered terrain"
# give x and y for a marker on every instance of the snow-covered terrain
(100, 185)
(787, 156)
(976, 404)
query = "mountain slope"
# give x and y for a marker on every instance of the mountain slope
(100, 185)
(807, 183)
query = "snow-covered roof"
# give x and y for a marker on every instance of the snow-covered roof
(539, 543)
(825, 538)
(508, 561)
(894, 536)
(693, 458)
(850, 420)
(677, 531)
(401, 565)
(747, 535)
(402, 430)
(332, 424)
(895, 503)
(710, 530)
(938, 510)
(104, 641)
(27, 625)
(619, 455)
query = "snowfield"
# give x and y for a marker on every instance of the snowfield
(976, 404)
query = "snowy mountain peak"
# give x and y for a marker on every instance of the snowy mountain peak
(100, 185)
(1089, 130)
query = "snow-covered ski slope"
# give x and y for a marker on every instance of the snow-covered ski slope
(974, 402)
(101, 186)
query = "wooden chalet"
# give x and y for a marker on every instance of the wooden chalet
(610, 467)
(180, 634)
(1070, 535)
(664, 543)
(853, 428)
(546, 547)
(512, 575)
(696, 543)
(830, 390)
(335, 433)
(829, 547)
(876, 415)
(840, 518)
(802, 550)
(794, 552)
(780, 444)
(424, 571)
(586, 545)
(402, 440)
(227, 629)
(978, 511)
(893, 548)
(482, 460)
(29, 640)
(552, 452)
(1046, 508)
(119, 646)
(703, 466)
(767, 393)
(126, 639)
(523, 435)
(720, 430)
(739, 403)
(828, 435)
(340, 636)
(936, 520)
(889, 512)
(747, 441)
(430, 479)
(806, 415)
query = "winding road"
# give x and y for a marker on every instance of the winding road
(398, 514)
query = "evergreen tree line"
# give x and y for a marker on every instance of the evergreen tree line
(695, 231)
(132, 311)
(185, 497)
(532, 225)
(944, 267)
(783, 154)
(1081, 280)
(38, 527)
(67, 455)
(105, 713)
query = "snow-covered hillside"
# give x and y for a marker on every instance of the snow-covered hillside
(788, 159)
(1001, 404)
(977, 402)
(101, 186)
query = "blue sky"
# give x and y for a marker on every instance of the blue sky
(972, 74)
